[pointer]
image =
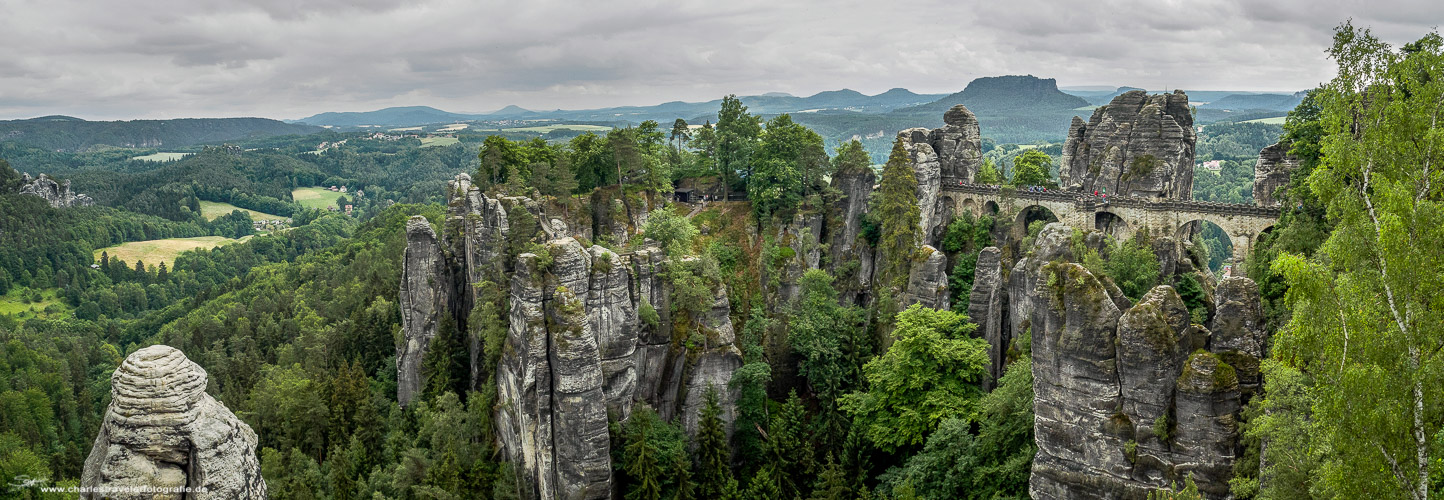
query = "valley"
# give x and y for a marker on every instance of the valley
(1016, 290)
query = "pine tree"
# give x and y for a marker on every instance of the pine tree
(640, 456)
(831, 483)
(713, 453)
(682, 480)
(897, 209)
(161, 273)
(763, 486)
(790, 449)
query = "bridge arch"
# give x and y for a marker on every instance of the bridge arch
(970, 206)
(1202, 230)
(1112, 224)
(991, 208)
(1032, 213)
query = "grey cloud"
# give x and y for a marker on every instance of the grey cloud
(284, 58)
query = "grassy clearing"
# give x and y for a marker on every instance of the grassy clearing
(162, 157)
(12, 304)
(153, 252)
(212, 209)
(1277, 120)
(427, 142)
(316, 197)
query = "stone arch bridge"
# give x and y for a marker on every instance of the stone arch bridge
(1121, 217)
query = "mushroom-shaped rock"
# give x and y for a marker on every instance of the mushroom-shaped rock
(162, 432)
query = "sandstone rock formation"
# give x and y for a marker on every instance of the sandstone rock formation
(422, 300)
(57, 194)
(1128, 397)
(163, 431)
(590, 333)
(1138, 145)
(988, 308)
(928, 170)
(848, 262)
(959, 144)
(1272, 172)
(928, 280)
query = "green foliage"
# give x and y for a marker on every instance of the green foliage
(694, 284)
(994, 461)
(851, 158)
(644, 451)
(965, 237)
(790, 454)
(1033, 168)
(674, 231)
(988, 173)
(648, 314)
(1189, 492)
(1133, 267)
(929, 374)
(736, 138)
(1363, 302)
(1191, 291)
(898, 217)
(714, 454)
(833, 343)
(788, 165)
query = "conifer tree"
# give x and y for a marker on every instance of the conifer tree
(897, 209)
(713, 453)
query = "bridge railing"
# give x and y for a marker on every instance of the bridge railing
(1090, 202)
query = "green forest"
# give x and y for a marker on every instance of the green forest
(299, 329)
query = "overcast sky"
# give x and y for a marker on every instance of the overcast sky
(294, 58)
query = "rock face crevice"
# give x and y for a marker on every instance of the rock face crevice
(162, 430)
(1130, 397)
(1137, 145)
(56, 194)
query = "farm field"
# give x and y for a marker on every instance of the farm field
(454, 127)
(162, 157)
(213, 209)
(1277, 120)
(438, 141)
(153, 252)
(316, 197)
(11, 304)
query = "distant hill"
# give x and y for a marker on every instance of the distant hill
(70, 134)
(1006, 94)
(773, 103)
(1271, 102)
(405, 116)
(1010, 109)
(1098, 97)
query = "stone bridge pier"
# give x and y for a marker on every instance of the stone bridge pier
(1120, 217)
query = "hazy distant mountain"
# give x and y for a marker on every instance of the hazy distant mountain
(1097, 97)
(1272, 102)
(403, 116)
(69, 133)
(772, 103)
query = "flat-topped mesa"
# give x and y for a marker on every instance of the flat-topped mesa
(1138, 145)
(1272, 172)
(162, 430)
(56, 194)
